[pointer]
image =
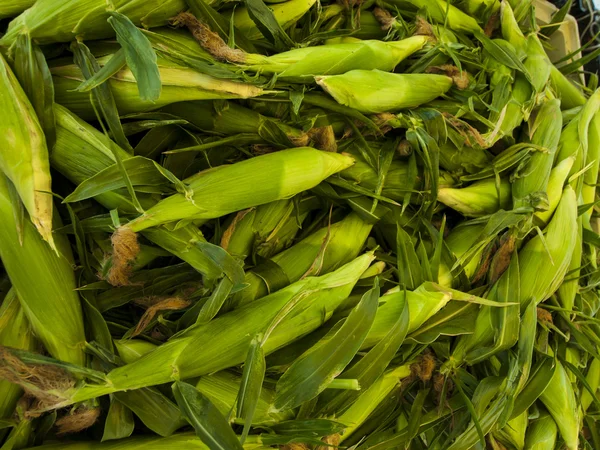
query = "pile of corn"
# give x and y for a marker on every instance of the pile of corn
(296, 225)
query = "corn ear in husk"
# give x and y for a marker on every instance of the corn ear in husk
(222, 389)
(556, 184)
(423, 303)
(44, 283)
(541, 433)
(12, 8)
(332, 59)
(397, 180)
(511, 31)
(49, 21)
(590, 178)
(514, 111)
(569, 94)
(181, 441)
(559, 398)
(568, 289)
(229, 119)
(464, 158)
(478, 199)
(529, 189)
(374, 91)
(546, 256)
(549, 258)
(574, 140)
(179, 83)
(267, 229)
(477, 8)
(370, 399)
(537, 64)
(301, 64)
(24, 155)
(321, 252)
(253, 182)
(81, 152)
(526, 89)
(318, 296)
(366, 25)
(131, 350)
(513, 433)
(463, 238)
(444, 13)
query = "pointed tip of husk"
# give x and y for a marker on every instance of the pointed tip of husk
(349, 155)
(45, 231)
(320, 80)
(125, 250)
(41, 216)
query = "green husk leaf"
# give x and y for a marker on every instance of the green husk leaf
(266, 22)
(502, 51)
(230, 267)
(251, 385)
(218, 24)
(210, 425)
(119, 422)
(31, 69)
(371, 366)
(313, 371)
(139, 54)
(102, 96)
(140, 171)
(112, 66)
(557, 19)
(215, 301)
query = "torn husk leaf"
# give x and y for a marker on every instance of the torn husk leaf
(478, 199)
